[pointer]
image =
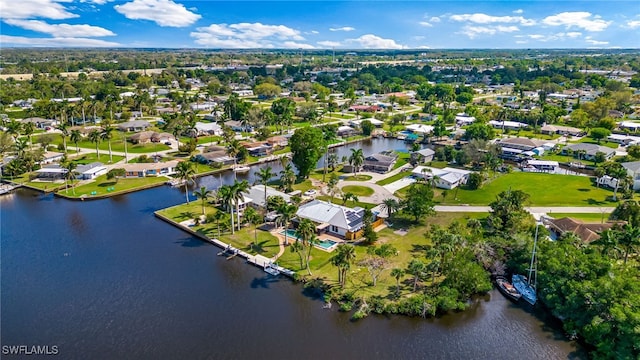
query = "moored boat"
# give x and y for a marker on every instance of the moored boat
(507, 289)
(527, 291)
(241, 169)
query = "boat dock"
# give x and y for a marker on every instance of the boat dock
(7, 188)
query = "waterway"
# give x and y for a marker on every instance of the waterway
(105, 279)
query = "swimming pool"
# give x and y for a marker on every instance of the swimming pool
(326, 244)
(290, 233)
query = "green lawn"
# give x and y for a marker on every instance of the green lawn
(350, 203)
(358, 190)
(358, 178)
(403, 159)
(101, 184)
(91, 157)
(588, 218)
(588, 140)
(394, 178)
(544, 190)
(116, 145)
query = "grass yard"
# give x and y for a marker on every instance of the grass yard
(587, 218)
(117, 145)
(92, 157)
(101, 184)
(543, 189)
(350, 203)
(394, 178)
(403, 159)
(588, 140)
(358, 190)
(358, 178)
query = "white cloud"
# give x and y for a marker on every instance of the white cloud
(479, 18)
(578, 19)
(434, 19)
(425, 24)
(248, 35)
(597, 42)
(61, 30)
(633, 24)
(296, 45)
(329, 44)
(344, 28)
(25, 9)
(518, 11)
(573, 34)
(474, 31)
(6, 40)
(97, 2)
(162, 12)
(370, 41)
(419, 37)
(314, 32)
(555, 37)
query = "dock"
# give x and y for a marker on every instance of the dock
(7, 188)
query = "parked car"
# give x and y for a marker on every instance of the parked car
(310, 192)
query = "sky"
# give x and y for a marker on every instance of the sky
(320, 24)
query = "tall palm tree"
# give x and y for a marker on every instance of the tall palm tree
(287, 212)
(287, 177)
(64, 133)
(70, 166)
(227, 197)
(356, 159)
(311, 242)
(14, 128)
(629, 239)
(238, 188)
(218, 216)
(252, 217)
(107, 134)
(345, 254)
(75, 137)
(332, 161)
(186, 173)
(203, 194)
(349, 196)
(391, 205)
(265, 174)
(397, 273)
(94, 137)
(28, 129)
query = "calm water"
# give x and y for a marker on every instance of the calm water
(107, 280)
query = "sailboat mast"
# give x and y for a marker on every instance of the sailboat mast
(533, 255)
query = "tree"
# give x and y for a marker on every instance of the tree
(367, 127)
(377, 260)
(107, 134)
(479, 131)
(391, 205)
(186, 173)
(287, 177)
(419, 201)
(28, 129)
(475, 181)
(629, 239)
(344, 255)
(64, 133)
(599, 134)
(616, 171)
(397, 273)
(203, 194)
(238, 188)
(416, 268)
(507, 212)
(634, 151)
(227, 197)
(94, 137)
(356, 159)
(349, 196)
(116, 173)
(283, 109)
(252, 217)
(307, 146)
(75, 137)
(70, 168)
(287, 212)
(267, 90)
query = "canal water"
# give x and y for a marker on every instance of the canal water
(105, 279)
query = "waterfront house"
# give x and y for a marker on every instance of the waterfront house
(51, 173)
(256, 194)
(523, 144)
(134, 125)
(422, 156)
(90, 171)
(420, 129)
(334, 219)
(587, 151)
(587, 232)
(446, 178)
(258, 148)
(278, 142)
(381, 162)
(150, 169)
(50, 157)
(375, 122)
(633, 170)
(540, 166)
(508, 125)
(345, 131)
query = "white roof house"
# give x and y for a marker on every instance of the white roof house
(631, 125)
(446, 178)
(335, 219)
(464, 119)
(256, 194)
(208, 128)
(374, 122)
(419, 128)
(514, 125)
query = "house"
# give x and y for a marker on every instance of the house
(561, 130)
(375, 122)
(150, 169)
(278, 142)
(463, 119)
(629, 125)
(420, 129)
(633, 170)
(585, 231)
(143, 137)
(345, 131)
(446, 178)
(203, 129)
(523, 144)
(508, 125)
(381, 162)
(334, 219)
(90, 171)
(588, 151)
(243, 93)
(540, 166)
(134, 125)
(206, 106)
(623, 140)
(40, 123)
(422, 156)
(238, 126)
(258, 148)
(50, 157)
(51, 173)
(256, 193)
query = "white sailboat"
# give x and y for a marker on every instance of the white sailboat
(527, 285)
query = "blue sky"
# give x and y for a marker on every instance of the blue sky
(322, 25)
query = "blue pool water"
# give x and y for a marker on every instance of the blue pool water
(290, 233)
(326, 244)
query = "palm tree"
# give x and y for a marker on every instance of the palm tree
(356, 159)
(287, 177)
(391, 205)
(349, 196)
(265, 174)
(327, 137)
(332, 161)
(14, 128)
(287, 212)
(333, 182)
(75, 137)
(345, 254)
(397, 273)
(238, 188)
(70, 166)
(629, 239)
(217, 217)
(306, 229)
(608, 241)
(252, 217)
(94, 137)
(186, 173)
(311, 242)
(203, 194)
(64, 133)
(416, 268)
(227, 197)
(107, 134)
(28, 129)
